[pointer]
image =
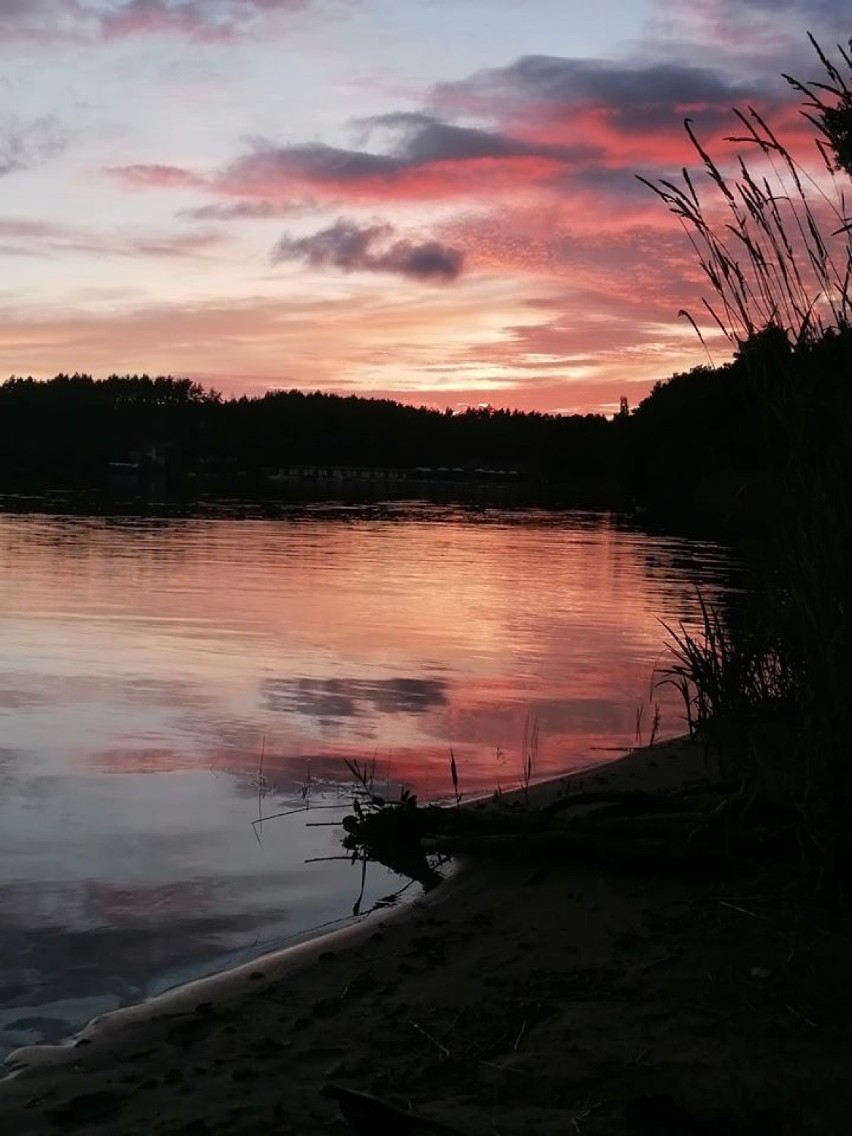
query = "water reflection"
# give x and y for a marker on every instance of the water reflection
(352, 697)
(150, 666)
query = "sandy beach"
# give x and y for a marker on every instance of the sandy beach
(519, 998)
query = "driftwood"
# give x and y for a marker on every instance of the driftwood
(366, 1115)
(700, 831)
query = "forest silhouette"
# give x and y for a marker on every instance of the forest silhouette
(71, 431)
(698, 443)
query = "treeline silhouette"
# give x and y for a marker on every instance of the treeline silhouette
(707, 440)
(718, 439)
(74, 431)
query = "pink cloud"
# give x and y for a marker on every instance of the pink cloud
(156, 176)
(199, 20)
(206, 20)
(544, 198)
(574, 271)
(566, 132)
(29, 237)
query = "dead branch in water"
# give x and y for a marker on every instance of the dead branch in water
(701, 831)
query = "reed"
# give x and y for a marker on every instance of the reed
(529, 755)
(730, 668)
(454, 777)
(775, 244)
(768, 683)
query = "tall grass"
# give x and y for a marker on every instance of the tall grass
(771, 685)
(529, 755)
(761, 239)
(731, 678)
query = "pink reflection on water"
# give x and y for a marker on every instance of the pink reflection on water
(162, 681)
(165, 645)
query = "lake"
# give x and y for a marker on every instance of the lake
(165, 683)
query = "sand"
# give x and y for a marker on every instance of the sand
(517, 999)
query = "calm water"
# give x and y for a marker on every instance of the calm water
(148, 666)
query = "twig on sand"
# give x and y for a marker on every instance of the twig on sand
(443, 1049)
(741, 910)
(367, 1115)
(456, 1019)
(655, 962)
(359, 977)
(586, 1110)
(502, 1068)
(801, 1017)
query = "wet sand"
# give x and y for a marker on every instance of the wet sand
(518, 999)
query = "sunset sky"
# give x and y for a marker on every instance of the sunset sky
(431, 200)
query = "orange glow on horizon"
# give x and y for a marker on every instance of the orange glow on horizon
(246, 250)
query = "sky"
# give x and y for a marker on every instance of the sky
(427, 200)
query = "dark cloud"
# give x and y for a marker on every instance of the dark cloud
(562, 128)
(639, 97)
(418, 156)
(372, 248)
(781, 26)
(416, 143)
(196, 19)
(21, 15)
(834, 10)
(422, 138)
(28, 144)
(753, 37)
(311, 162)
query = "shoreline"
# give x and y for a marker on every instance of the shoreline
(514, 998)
(218, 988)
(281, 962)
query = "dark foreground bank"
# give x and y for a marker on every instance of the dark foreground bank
(521, 998)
